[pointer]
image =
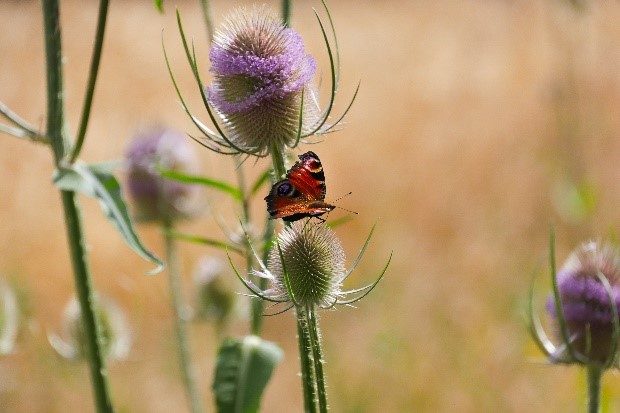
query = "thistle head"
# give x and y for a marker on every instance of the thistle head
(308, 264)
(215, 299)
(157, 198)
(589, 291)
(115, 332)
(260, 73)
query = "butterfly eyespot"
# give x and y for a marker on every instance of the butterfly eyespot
(285, 189)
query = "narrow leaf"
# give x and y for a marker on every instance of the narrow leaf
(159, 5)
(104, 186)
(242, 370)
(203, 180)
(196, 239)
(260, 181)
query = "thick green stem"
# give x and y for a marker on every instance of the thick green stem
(317, 357)
(287, 5)
(176, 297)
(308, 382)
(594, 388)
(56, 134)
(92, 80)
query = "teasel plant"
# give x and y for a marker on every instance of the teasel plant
(584, 307)
(164, 203)
(73, 177)
(262, 102)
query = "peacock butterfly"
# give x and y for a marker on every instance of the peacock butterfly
(302, 193)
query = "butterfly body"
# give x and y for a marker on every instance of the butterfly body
(302, 193)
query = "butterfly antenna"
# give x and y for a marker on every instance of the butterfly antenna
(348, 210)
(343, 196)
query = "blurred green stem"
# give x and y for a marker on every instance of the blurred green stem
(206, 16)
(92, 80)
(56, 134)
(594, 388)
(287, 5)
(176, 297)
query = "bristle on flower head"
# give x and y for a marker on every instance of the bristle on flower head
(314, 261)
(260, 70)
(586, 303)
(157, 198)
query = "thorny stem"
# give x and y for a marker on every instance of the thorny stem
(92, 80)
(176, 297)
(317, 357)
(594, 388)
(308, 382)
(56, 134)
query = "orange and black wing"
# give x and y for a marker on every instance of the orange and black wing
(302, 193)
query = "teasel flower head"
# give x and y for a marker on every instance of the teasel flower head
(155, 197)
(116, 335)
(262, 95)
(215, 299)
(584, 308)
(306, 267)
(9, 318)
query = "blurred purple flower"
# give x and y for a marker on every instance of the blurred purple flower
(587, 305)
(260, 69)
(157, 198)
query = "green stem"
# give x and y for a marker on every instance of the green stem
(92, 80)
(317, 357)
(594, 388)
(56, 134)
(176, 297)
(206, 16)
(308, 382)
(287, 5)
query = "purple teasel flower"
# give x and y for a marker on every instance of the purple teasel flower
(261, 98)
(155, 197)
(589, 292)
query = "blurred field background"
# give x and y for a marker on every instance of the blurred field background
(474, 121)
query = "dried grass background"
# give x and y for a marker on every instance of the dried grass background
(469, 115)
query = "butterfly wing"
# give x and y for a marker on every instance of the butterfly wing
(302, 193)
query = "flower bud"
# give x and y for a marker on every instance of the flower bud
(9, 318)
(115, 332)
(157, 198)
(215, 300)
(260, 70)
(586, 304)
(314, 261)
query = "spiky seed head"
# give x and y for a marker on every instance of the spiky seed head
(260, 69)
(314, 261)
(9, 318)
(157, 198)
(215, 298)
(587, 307)
(115, 337)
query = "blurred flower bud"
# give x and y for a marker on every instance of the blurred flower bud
(116, 335)
(215, 299)
(260, 70)
(586, 304)
(9, 318)
(314, 262)
(157, 198)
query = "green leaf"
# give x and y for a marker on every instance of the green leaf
(242, 370)
(260, 181)
(207, 241)
(159, 5)
(104, 186)
(203, 180)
